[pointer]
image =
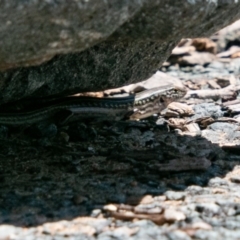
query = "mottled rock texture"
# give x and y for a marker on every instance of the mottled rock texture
(54, 46)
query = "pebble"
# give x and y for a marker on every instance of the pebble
(172, 195)
(206, 235)
(209, 209)
(173, 215)
(218, 182)
(216, 65)
(7, 231)
(207, 110)
(177, 234)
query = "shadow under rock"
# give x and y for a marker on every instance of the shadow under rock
(62, 181)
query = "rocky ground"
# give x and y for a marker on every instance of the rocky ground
(174, 176)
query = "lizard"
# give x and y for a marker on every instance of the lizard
(136, 106)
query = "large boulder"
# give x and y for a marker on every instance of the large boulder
(59, 46)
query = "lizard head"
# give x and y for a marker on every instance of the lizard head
(172, 94)
(154, 100)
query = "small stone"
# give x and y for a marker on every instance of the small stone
(206, 234)
(217, 182)
(146, 199)
(177, 234)
(201, 225)
(7, 232)
(195, 190)
(208, 208)
(216, 65)
(172, 215)
(96, 212)
(171, 195)
(91, 149)
(231, 212)
(110, 208)
(160, 198)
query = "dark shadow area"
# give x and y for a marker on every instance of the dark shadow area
(45, 180)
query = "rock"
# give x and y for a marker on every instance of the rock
(207, 109)
(208, 208)
(172, 195)
(206, 234)
(224, 127)
(177, 234)
(93, 45)
(173, 215)
(231, 52)
(194, 58)
(227, 36)
(217, 182)
(6, 231)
